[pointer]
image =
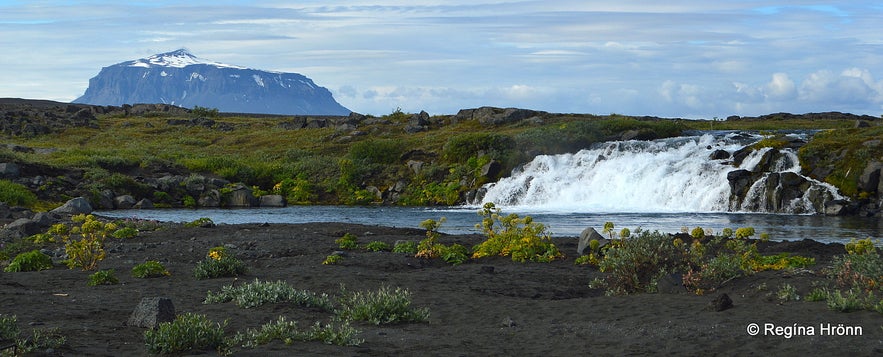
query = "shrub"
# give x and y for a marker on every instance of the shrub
(521, 238)
(455, 254)
(203, 222)
(405, 247)
(87, 251)
(150, 269)
(16, 194)
(377, 246)
(125, 233)
(462, 147)
(697, 233)
(187, 332)
(348, 241)
(744, 232)
(635, 265)
(103, 277)
(429, 246)
(861, 246)
(727, 233)
(258, 293)
(864, 271)
(817, 294)
(376, 151)
(39, 339)
(29, 261)
(848, 301)
(787, 292)
(218, 263)
(384, 306)
(781, 261)
(332, 259)
(287, 332)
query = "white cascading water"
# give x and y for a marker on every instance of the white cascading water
(670, 175)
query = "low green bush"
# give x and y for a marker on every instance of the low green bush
(40, 339)
(29, 261)
(384, 306)
(150, 269)
(16, 194)
(405, 247)
(348, 241)
(188, 332)
(258, 293)
(636, 264)
(377, 246)
(103, 277)
(340, 334)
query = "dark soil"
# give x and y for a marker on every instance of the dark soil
(482, 308)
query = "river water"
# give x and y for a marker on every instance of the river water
(463, 219)
(666, 185)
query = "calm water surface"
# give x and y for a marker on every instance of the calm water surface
(463, 219)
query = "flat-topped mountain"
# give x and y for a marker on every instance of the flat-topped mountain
(182, 79)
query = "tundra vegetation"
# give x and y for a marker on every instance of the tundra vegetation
(361, 160)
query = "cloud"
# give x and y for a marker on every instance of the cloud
(680, 58)
(780, 87)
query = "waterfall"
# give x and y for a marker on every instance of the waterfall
(669, 175)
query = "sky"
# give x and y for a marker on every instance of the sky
(674, 58)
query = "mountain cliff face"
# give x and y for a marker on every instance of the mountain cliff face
(182, 79)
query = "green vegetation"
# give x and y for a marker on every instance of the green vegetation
(258, 293)
(218, 263)
(29, 261)
(384, 306)
(286, 331)
(377, 246)
(636, 264)
(348, 241)
(16, 195)
(40, 339)
(103, 277)
(510, 235)
(839, 157)
(188, 332)
(150, 269)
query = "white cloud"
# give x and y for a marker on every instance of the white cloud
(675, 58)
(780, 87)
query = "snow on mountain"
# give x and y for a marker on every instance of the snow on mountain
(183, 79)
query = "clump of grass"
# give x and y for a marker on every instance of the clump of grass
(286, 331)
(405, 247)
(40, 339)
(258, 293)
(384, 306)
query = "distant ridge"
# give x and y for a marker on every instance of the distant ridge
(183, 79)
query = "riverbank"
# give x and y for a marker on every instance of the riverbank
(480, 308)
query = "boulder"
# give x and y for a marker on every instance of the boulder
(212, 198)
(20, 228)
(144, 204)
(719, 155)
(869, 181)
(491, 170)
(79, 205)
(124, 202)
(272, 201)
(587, 236)
(720, 303)
(105, 199)
(242, 196)
(152, 311)
(9, 170)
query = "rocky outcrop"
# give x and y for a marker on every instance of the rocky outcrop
(490, 116)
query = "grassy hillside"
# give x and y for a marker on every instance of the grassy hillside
(356, 160)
